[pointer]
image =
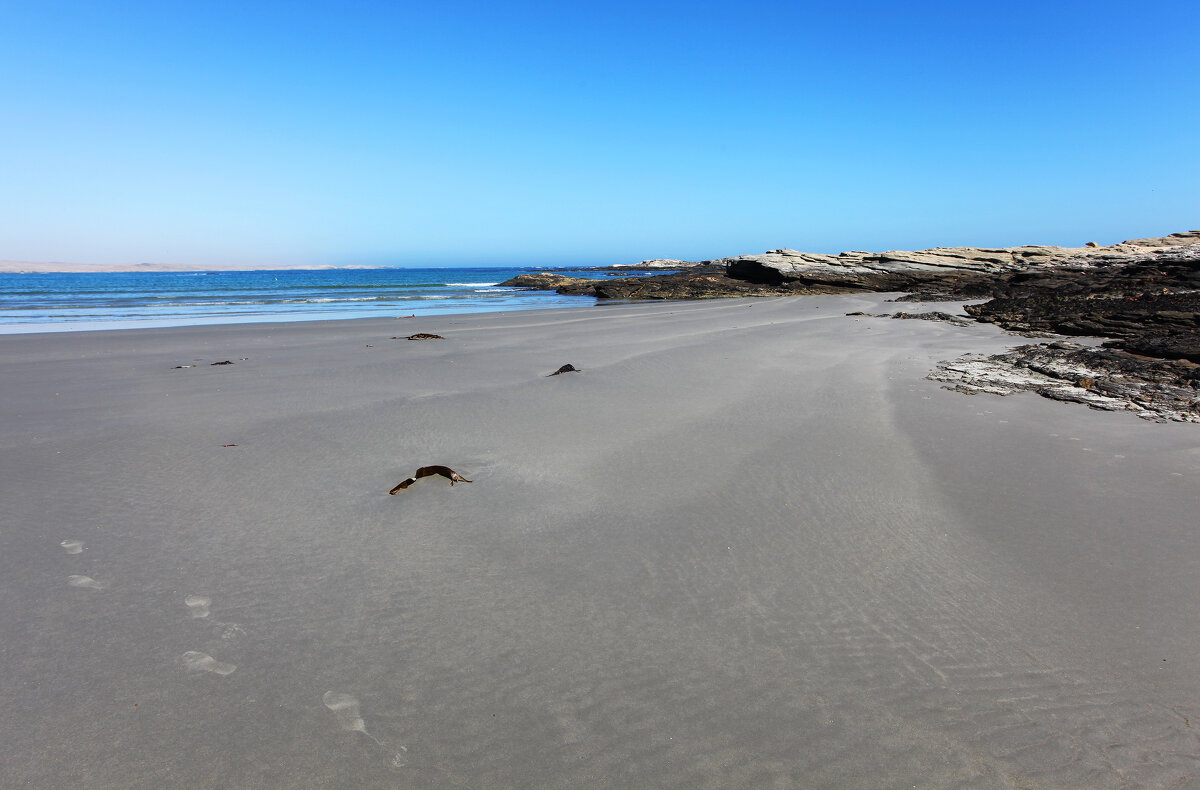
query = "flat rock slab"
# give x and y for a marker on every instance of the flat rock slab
(1102, 378)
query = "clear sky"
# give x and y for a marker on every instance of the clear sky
(443, 133)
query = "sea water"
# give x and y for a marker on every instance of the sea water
(49, 302)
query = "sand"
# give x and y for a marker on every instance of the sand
(748, 545)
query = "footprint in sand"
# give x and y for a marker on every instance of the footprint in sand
(72, 546)
(345, 708)
(229, 630)
(84, 581)
(203, 662)
(198, 605)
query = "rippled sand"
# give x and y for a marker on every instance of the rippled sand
(747, 545)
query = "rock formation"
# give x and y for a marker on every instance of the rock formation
(946, 272)
(956, 270)
(1101, 378)
(540, 281)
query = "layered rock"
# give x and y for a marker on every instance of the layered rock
(1147, 301)
(960, 270)
(1163, 324)
(943, 271)
(1101, 378)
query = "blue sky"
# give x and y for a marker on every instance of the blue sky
(588, 133)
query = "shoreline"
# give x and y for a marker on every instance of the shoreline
(747, 544)
(69, 302)
(150, 324)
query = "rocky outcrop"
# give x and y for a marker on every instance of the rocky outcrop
(950, 268)
(540, 281)
(695, 283)
(1147, 301)
(1174, 240)
(1101, 378)
(1163, 324)
(698, 282)
(957, 270)
(942, 272)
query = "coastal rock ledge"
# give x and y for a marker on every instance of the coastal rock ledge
(942, 272)
(946, 270)
(1157, 390)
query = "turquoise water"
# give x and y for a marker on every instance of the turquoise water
(111, 300)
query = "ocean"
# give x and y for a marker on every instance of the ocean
(121, 300)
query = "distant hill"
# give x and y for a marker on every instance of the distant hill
(42, 267)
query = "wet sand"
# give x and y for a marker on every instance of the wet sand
(748, 545)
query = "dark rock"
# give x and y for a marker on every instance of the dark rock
(540, 281)
(1176, 346)
(1143, 295)
(933, 315)
(1099, 315)
(1101, 378)
(695, 283)
(568, 368)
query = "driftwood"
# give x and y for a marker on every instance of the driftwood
(426, 471)
(422, 336)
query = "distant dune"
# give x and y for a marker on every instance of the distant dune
(16, 267)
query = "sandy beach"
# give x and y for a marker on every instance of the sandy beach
(748, 545)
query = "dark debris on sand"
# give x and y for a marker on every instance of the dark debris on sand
(932, 315)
